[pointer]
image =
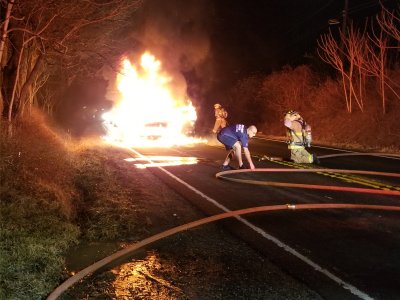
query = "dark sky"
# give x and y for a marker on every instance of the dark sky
(266, 34)
(215, 42)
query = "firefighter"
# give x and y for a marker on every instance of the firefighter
(220, 118)
(298, 133)
(235, 137)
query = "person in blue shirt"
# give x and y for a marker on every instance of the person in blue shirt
(234, 138)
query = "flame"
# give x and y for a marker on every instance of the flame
(148, 114)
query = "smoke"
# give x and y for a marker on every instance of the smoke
(177, 33)
(176, 30)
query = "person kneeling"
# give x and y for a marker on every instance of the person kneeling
(298, 133)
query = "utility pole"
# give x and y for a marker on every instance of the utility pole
(345, 14)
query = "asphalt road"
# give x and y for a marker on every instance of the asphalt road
(341, 253)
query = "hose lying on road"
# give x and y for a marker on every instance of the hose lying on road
(128, 250)
(379, 154)
(222, 175)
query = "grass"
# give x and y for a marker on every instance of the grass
(56, 193)
(108, 209)
(36, 210)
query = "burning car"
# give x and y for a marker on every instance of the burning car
(154, 130)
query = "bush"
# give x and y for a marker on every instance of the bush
(289, 89)
(321, 103)
(285, 90)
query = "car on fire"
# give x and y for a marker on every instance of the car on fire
(154, 130)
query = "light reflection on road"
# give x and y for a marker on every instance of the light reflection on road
(162, 161)
(139, 278)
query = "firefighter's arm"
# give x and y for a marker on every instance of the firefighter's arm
(296, 126)
(248, 157)
(288, 123)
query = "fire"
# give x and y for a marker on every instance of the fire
(148, 114)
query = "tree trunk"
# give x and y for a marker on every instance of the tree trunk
(2, 46)
(26, 88)
(10, 71)
(5, 29)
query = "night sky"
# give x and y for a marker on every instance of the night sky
(265, 35)
(215, 43)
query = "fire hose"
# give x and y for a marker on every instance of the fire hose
(222, 175)
(128, 250)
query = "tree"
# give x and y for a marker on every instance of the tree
(289, 89)
(390, 23)
(362, 54)
(60, 39)
(355, 52)
(330, 52)
(377, 63)
(4, 32)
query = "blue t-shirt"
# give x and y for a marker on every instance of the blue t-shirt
(233, 133)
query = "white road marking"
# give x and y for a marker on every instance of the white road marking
(264, 234)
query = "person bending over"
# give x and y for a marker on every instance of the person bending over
(234, 138)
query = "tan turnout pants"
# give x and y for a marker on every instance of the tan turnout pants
(301, 156)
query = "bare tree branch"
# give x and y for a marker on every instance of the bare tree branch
(67, 34)
(329, 51)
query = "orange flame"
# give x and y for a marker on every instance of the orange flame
(148, 114)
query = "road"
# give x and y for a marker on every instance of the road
(341, 253)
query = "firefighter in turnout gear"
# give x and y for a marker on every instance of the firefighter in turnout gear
(220, 118)
(298, 133)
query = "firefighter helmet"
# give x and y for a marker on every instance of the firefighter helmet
(292, 115)
(291, 112)
(217, 105)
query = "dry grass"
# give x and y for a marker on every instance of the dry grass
(36, 210)
(107, 210)
(54, 191)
